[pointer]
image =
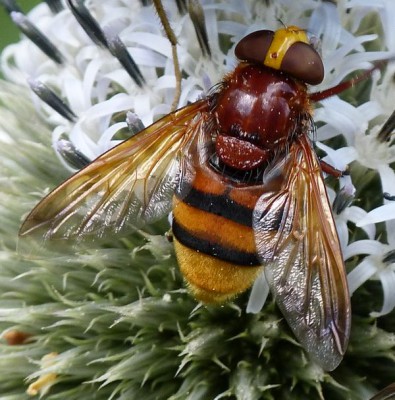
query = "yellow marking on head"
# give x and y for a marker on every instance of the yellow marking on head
(283, 39)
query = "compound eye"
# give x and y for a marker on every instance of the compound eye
(303, 62)
(254, 47)
(285, 51)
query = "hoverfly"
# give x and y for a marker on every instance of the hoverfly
(240, 174)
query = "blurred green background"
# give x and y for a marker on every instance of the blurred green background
(8, 32)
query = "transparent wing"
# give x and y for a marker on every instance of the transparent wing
(297, 242)
(132, 183)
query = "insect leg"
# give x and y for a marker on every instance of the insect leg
(331, 170)
(341, 87)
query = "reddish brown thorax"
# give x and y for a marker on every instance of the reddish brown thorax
(257, 111)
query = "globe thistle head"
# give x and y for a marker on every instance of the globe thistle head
(115, 319)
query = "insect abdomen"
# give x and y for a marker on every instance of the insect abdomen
(214, 240)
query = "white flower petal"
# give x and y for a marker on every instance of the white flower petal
(342, 231)
(119, 102)
(341, 118)
(360, 274)
(379, 214)
(387, 177)
(258, 295)
(383, 89)
(386, 9)
(390, 227)
(90, 76)
(325, 24)
(370, 109)
(387, 278)
(153, 42)
(75, 95)
(105, 142)
(356, 215)
(339, 158)
(359, 247)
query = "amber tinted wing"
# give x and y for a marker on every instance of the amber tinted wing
(298, 244)
(132, 183)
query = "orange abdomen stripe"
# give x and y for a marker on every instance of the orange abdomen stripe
(215, 224)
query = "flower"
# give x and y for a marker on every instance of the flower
(46, 380)
(379, 264)
(371, 149)
(368, 148)
(84, 76)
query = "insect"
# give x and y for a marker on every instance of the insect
(246, 188)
